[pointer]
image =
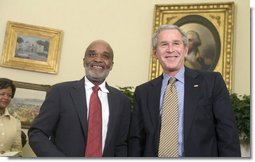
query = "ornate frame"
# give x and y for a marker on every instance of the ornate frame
(32, 48)
(217, 18)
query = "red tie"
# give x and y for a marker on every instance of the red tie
(94, 141)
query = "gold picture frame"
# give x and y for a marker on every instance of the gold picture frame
(215, 23)
(30, 47)
(27, 101)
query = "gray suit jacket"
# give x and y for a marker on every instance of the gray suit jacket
(209, 124)
(60, 129)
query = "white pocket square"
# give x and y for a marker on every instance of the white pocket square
(195, 85)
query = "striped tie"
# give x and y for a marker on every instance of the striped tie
(168, 143)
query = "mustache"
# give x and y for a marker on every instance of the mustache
(94, 63)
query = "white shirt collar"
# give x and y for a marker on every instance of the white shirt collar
(89, 85)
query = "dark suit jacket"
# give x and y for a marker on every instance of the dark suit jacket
(60, 129)
(209, 124)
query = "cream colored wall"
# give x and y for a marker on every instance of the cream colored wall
(126, 25)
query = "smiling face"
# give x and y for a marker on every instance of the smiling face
(98, 61)
(5, 97)
(170, 51)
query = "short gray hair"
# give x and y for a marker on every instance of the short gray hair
(168, 27)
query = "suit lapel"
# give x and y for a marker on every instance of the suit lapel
(79, 97)
(192, 93)
(154, 101)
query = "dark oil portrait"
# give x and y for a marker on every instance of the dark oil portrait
(203, 42)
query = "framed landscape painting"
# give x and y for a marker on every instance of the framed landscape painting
(30, 47)
(27, 102)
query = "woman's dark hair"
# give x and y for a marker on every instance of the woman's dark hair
(5, 83)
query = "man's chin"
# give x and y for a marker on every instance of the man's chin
(96, 78)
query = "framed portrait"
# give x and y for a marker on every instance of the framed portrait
(27, 102)
(209, 28)
(32, 48)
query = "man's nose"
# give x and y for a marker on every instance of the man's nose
(170, 47)
(98, 58)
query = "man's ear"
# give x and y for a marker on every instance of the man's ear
(83, 62)
(154, 54)
(112, 65)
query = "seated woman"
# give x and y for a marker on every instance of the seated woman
(10, 127)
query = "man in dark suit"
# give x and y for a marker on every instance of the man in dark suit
(62, 126)
(206, 124)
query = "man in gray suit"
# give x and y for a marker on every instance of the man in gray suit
(206, 124)
(61, 128)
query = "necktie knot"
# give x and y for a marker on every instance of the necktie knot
(95, 88)
(171, 81)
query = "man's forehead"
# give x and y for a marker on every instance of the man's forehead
(99, 45)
